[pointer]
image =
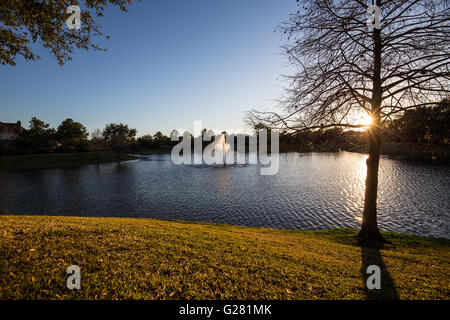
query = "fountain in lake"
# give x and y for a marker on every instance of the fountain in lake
(219, 151)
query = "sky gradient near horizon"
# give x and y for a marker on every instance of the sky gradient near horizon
(168, 63)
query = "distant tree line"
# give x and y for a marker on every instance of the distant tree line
(422, 133)
(418, 133)
(72, 136)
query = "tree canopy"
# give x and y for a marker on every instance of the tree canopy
(39, 127)
(114, 130)
(73, 135)
(343, 67)
(23, 22)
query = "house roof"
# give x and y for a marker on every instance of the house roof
(11, 127)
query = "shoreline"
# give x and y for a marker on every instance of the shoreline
(59, 160)
(64, 160)
(355, 230)
(418, 157)
(136, 258)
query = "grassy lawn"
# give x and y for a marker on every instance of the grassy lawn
(123, 258)
(40, 161)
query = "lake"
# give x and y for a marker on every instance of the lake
(311, 191)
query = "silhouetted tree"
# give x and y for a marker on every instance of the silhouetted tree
(119, 137)
(160, 140)
(158, 136)
(39, 138)
(44, 22)
(424, 126)
(146, 141)
(39, 127)
(97, 134)
(73, 136)
(112, 130)
(345, 69)
(97, 143)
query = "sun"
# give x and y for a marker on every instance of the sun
(366, 120)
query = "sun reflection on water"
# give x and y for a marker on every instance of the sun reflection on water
(363, 168)
(361, 173)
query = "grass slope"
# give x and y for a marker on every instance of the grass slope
(40, 161)
(123, 258)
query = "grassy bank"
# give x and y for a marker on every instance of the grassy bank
(40, 161)
(123, 258)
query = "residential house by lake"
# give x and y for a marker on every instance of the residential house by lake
(9, 133)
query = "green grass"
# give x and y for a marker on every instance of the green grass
(40, 161)
(122, 258)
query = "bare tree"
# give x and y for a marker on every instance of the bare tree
(346, 68)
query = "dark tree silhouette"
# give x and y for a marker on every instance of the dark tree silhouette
(345, 69)
(146, 141)
(119, 137)
(73, 135)
(113, 130)
(38, 138)
(44, 22)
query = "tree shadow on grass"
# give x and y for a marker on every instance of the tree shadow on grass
(388, 291)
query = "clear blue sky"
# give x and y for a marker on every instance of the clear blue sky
(168, 63)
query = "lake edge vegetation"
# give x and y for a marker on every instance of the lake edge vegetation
(421, 134)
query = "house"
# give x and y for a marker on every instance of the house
(10, 131)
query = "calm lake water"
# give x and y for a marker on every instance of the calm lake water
(310, 191)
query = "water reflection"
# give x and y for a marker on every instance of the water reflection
(223, 182)
(311, 191)
(359, 186)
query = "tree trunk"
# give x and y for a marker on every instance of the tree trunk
(370, 236)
